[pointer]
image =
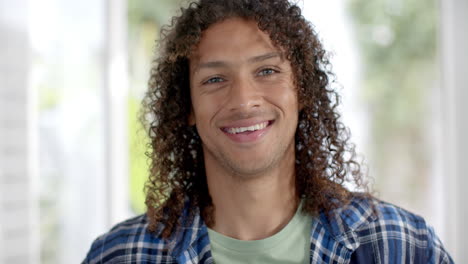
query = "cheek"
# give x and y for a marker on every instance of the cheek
(284, 96)
(204, 110)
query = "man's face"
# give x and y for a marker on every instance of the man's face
(244, 100)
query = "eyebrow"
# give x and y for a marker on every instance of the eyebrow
(264, 57)
(224, 64)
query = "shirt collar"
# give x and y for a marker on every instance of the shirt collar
(342, 223)
(190, 240)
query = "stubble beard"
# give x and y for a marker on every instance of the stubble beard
(252, 169)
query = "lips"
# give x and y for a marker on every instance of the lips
(252, 128)
(247, 131)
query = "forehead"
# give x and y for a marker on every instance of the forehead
(235, 37)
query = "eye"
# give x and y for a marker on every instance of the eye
(213, 80)
(267, 71)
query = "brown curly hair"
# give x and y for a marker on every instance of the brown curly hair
(325, 160)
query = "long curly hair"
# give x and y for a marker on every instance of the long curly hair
(325, 159)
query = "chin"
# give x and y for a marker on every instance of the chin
(249, 169)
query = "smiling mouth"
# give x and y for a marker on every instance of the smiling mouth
(247, 129)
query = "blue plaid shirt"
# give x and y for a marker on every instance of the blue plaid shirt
(356, 233)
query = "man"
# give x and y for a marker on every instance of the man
(249, 156)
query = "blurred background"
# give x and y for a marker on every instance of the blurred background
(72, 74)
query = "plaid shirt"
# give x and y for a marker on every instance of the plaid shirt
(356, 233)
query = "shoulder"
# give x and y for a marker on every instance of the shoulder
(393, 222)
(130, 242)
(364, 211)
(386, 230)
(386, 214)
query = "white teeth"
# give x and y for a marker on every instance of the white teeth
(235, 130)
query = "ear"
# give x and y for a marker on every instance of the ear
(300, 103)
(191, 118)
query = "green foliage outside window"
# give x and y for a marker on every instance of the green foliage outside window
(138, 162)
(397, 42)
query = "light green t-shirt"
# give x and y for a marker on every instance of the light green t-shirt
(290, 245)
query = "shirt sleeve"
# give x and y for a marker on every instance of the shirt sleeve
(436, 252)
(92, 252)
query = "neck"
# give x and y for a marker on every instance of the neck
(253, 208)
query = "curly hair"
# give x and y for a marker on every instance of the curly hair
(325, 159)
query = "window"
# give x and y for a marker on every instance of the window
(386, 56)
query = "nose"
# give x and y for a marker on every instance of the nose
(243, 95)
